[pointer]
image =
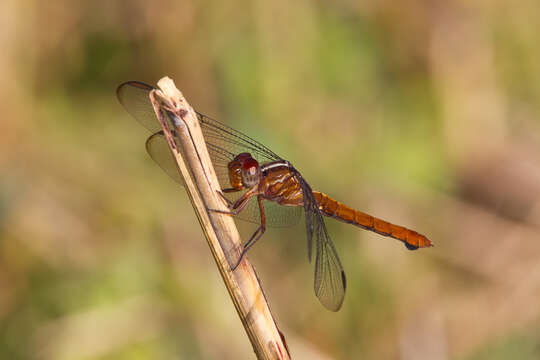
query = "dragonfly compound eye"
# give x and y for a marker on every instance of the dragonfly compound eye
(250, 172)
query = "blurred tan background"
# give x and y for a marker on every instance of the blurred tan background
(424, 113)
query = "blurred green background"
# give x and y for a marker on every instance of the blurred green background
(424, 113)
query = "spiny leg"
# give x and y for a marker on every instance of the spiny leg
(256, 235)
(237, 206)
(226, 191)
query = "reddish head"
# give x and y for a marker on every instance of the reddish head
(250, 169)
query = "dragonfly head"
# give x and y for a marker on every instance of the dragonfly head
(249, 169)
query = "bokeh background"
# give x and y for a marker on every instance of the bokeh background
(424, 113)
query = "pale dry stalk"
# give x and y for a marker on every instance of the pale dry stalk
(219, 229)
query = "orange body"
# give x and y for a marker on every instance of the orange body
(279, 184)
(339, 211)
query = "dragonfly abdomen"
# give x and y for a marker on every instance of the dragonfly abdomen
(342, 212)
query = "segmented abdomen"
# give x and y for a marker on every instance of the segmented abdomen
(339, 211)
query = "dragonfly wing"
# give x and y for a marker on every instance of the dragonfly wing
(134, 97)
(159, 151)
(330, 282)
(276, 215)
(281, 216)
(231, 142)
(223, 143)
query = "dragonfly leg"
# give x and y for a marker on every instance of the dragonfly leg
(227, 201)
(237, 206)
(256, 235)
(228, 190)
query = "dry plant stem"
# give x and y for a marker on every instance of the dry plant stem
(220, 231)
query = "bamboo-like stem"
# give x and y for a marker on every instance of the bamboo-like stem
(219, 229)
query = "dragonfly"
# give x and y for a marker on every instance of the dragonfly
(262, 187)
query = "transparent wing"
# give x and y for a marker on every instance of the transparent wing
(276, 215)
(229, 142)
(330, 282)
(134, 97)
(158, 149)
(224, 141)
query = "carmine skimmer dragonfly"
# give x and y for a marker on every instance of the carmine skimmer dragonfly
(249, 173)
